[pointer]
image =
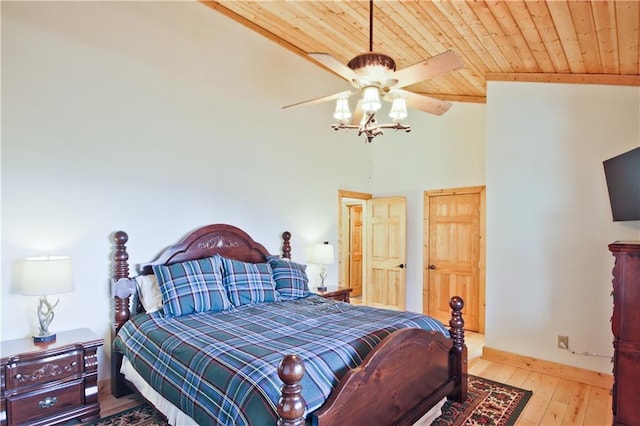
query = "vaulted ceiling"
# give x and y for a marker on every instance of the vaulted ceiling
(570, 41)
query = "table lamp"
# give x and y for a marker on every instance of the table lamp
(322, 254)
(42, 276)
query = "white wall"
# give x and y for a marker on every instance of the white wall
(154, 118)
(548, 216)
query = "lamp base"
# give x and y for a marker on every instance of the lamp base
(322, 288)
(45, 338)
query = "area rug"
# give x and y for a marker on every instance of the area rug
(142, 415)
(487, 403)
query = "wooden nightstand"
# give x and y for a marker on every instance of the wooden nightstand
(50, 382)
(336, 293)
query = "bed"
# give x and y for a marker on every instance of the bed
(291, 360)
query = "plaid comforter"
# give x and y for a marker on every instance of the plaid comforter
(222, 368)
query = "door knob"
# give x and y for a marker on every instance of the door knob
(432, 266)
(401, 266)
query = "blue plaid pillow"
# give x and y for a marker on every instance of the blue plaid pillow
(290, 277)
(248, 283)
(192, 286)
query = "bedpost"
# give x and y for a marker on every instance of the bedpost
(120, 270)
(291, 406)
(459, 350)
(121, 311)
(286, 244)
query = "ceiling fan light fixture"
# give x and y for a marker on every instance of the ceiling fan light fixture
(398, 109)
(342, 112)
(371, 100)
(374, 75)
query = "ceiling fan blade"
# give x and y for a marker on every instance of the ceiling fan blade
(356, 118)
(424, 103)
(321, 99)
(334, 65)
(429, 68)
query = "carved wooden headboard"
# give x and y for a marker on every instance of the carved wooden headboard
(226, 240)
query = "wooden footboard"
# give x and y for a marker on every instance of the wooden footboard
(408, 373)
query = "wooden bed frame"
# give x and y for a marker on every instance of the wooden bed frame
(403, 377)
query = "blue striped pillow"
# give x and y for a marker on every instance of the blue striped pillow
(248, 283)
(290, 277)
(192, 286)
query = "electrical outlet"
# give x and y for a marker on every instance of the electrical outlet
(563, 342)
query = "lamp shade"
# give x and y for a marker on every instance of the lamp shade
(46, 275)
(371, 100)
(342, 112)
(398, 109)
(322, 254)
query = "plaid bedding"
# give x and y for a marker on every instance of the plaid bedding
(221, 368)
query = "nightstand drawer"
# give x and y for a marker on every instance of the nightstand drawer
(41, 404)
(27, 373)
(52, 383)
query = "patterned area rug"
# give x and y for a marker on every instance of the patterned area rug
(142, 415)
(488, 403)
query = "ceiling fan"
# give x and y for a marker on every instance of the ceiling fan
(374, 75)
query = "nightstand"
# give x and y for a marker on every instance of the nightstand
(50, 382)
(336, 293)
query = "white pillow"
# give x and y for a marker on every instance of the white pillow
(149, 292)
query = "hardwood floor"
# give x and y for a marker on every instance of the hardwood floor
(555, 401)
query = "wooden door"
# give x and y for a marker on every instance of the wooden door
(355, 250)
(345, 200)
(454, 260)
(386, 252)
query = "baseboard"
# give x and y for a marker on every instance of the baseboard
(568, 372)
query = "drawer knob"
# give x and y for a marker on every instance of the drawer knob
(74, 363)
(49, 401)
(18, 376)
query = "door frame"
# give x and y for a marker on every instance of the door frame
(482, 261)
(343, 235)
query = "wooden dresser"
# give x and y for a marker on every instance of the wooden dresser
(52, 382)
(625, 325)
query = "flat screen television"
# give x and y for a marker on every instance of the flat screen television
(622, 173)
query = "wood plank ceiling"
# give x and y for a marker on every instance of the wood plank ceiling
(567, 41)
